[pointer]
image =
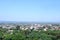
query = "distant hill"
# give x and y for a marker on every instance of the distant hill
(29, 22)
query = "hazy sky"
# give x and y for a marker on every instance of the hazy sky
(30, 10)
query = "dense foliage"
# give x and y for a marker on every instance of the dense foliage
(29, 35)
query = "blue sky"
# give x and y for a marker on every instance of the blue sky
(30, 10)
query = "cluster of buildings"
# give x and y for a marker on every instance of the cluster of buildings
(44, 27)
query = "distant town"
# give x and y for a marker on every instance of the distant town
(26, 26)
